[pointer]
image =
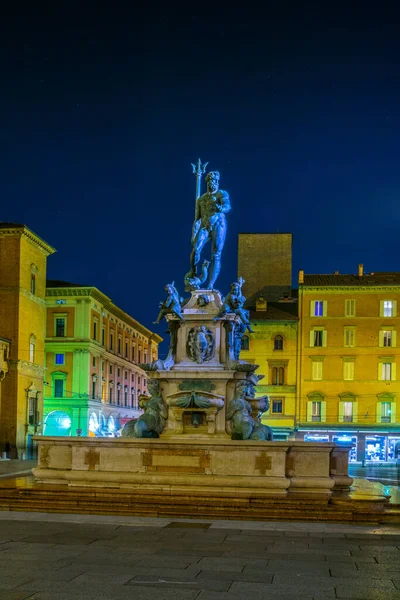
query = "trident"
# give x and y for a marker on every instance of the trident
(199, 170)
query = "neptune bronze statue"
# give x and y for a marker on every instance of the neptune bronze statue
(210, 224)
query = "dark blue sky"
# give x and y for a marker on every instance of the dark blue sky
(103, 112)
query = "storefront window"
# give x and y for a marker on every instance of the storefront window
(394, 448)
(316, 438)
(375, 448)
(346, 440)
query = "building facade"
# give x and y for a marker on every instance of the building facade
(93, 351)
(23, 258)
(348, 387)
(273, 346)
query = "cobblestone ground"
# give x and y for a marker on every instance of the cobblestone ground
(72, 557)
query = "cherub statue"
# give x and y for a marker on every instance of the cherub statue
(171, 305)
(234, 303)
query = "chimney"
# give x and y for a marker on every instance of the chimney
(360, 270)
(261, 304)
(301, 276)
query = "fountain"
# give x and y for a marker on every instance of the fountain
(199, 448)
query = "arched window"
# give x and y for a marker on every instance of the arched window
(245, 344)
(278, 342)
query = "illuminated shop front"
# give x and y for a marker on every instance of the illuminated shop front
(367, 447)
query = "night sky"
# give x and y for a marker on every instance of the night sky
(103, 112)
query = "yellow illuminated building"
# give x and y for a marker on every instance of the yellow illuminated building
(347, 386)
(23, 256)
(272, 346)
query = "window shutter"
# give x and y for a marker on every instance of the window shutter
(394, 308)
(309, 411)
(379, 412)
(312, 308)
(324, 308)
(324, 337)
(323, 412)
(381, 308)
(394, 338)
(381, 339)
(355, 412)
(341, 411)
(393, 412)
(380, 367)
(393, 371)
(312, 338)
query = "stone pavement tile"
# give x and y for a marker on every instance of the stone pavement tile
(297, 556)
(17, 595)
(326, 534)
(166, 562)
(245, 554)
(377, 568)
(378, 590)
(295, 567)
(8, 582)
(314, 552)
(365, 558)
(260, 576)
(120, 592)
(209, 583)
(222, 564)
(260, 591)
(36, 558)
(25, 547)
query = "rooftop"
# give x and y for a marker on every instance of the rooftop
(276, 311)
(339, 279)
(5, 225)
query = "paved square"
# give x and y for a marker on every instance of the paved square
(74, 557)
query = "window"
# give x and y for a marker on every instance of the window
(119, 372)
(387, 308)
(348, 412)
(93, 389)
(348, 370)
(138, 379)
(386, 371)
(58, 388)
(318, 308)
(318, 337)
(118, 396)
(278, 375)
(145, 358)
(119, 345)
(60, 327)
(110, 394)
(349, 336)
(245, 343)
(102, 366)
(349, 308)
(316, 411)
(126, 398)
(387, 338)
(59, 359)
(126, 374)
(386, 412)
(33, 283)
(111, 340)
(316, 370)
(126, 349)
(278, 342)
(32, 348)
(139, 356)
(133, 397)
(111, 370)
(277, 406)
(33, 414)
(94, 361)
(133, 352)
(133, 378)
(95, 330)
(103, 336)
